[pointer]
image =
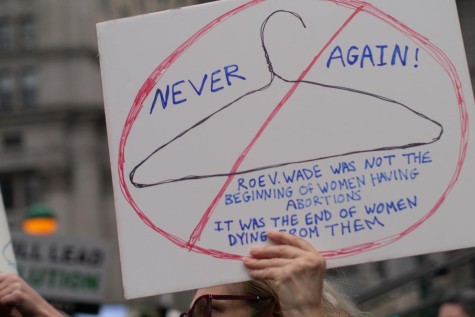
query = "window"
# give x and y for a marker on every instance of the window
(33, 189)
(18, 91)
(26, 33)
(6, 36)
(28, 88)
(179, 3)
(124, 11)
(106, 5)
(21, 189)
(6, 91)
(12, 141)
(6, 185)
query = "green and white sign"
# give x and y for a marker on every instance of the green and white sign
(63, 268)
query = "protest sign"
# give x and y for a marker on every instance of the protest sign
(347, 123)
(7, 257)
(62, 268)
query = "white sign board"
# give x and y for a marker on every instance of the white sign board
(61, 268)
(344, 122)
(7, 257)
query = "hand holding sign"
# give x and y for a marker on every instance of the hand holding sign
(297, 270)
(18, 299)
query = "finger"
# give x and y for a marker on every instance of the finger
(6, 293)
(258, 264)
(266, 274)
(7, 300)
(5, 289)
(2, 279)
(7, 279)
(277, 251)
(288, 239)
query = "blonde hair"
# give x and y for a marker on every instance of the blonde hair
(335, 303)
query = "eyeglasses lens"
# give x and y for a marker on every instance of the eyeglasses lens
(201, 308)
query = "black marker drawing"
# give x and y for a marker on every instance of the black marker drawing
(275, 76)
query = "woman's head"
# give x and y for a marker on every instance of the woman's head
(228, 300)
(335, 304)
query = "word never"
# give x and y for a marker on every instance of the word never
(214, 85)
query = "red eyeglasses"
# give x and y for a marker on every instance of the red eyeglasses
(202, 305)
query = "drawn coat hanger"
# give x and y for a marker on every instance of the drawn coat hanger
(246, 129)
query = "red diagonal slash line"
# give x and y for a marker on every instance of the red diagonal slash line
(196, 234)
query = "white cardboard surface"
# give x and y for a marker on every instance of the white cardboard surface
(7, 257)
(344, 122)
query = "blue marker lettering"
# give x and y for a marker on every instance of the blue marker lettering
(200, 90)
(177, 92)
(164, 101)
(336, 50)
(215, 80)
(397, 53)
(230, 71)
(367, 54)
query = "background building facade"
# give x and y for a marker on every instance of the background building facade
(53, 145)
